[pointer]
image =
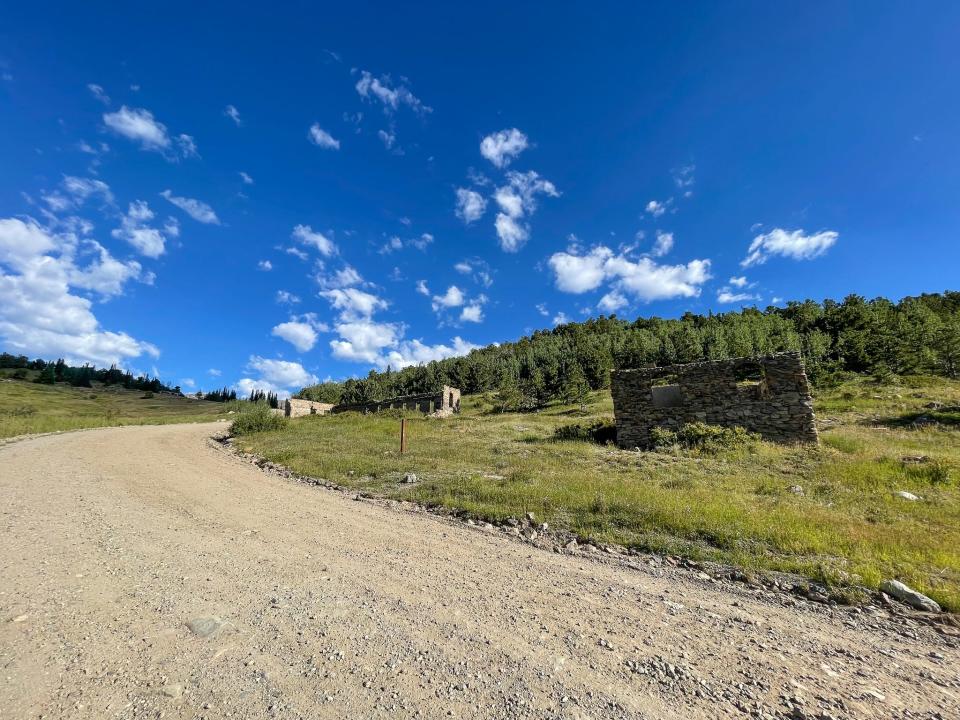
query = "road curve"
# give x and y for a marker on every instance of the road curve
(145, 573)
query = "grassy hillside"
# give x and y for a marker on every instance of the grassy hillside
(27, 407)
(845, 524)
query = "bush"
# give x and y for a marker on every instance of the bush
(601, 431)
(258, 419)
(703, 438)
(147, 396)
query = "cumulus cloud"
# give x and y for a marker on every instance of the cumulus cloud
(140, 126)
(284, 297)
(517, 200)
(198, 210)
(472, 313)
(415, 352)
(422, 288)
(301, 335)
(421, 242)
(265, 265)
(643, 278)
(306, 235)
(364, 340)
(247, 180)
(136, 229)
(41, 315)
(657, 208)
(391, 96)
(793, 244)
(663, 244)
(279, 376)
(453, 297)
(738, 282)
(231, 112)
(354, 303)
(344, 277)
(502, 147)
(471, 205)
(613, 301)
(321, 138)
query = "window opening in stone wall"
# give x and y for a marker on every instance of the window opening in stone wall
(750, 379)
(666, 396)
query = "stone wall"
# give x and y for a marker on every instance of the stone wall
(768, 395)
(442, 403)
(295, 407)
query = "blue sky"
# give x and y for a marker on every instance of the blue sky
(266, 197)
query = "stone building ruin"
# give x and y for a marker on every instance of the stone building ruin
(443, 403)
(768, 395)
(295, 407)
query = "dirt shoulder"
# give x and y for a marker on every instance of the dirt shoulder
(144, 572)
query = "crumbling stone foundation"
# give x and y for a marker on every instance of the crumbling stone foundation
(443, 403)
(295, 407)
(768, 395)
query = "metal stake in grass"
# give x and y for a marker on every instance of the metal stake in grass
(403, 435)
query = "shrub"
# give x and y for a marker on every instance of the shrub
(936, 472)
(147, 396)
(257, 419)
(601, 431)
(703, 438)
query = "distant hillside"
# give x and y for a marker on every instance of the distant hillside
(880, 337)
(29, 407)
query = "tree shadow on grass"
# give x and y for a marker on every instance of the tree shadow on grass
(947, 416)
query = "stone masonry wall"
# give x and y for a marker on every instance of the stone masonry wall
(445, 402)
(779, 407)
(295, 407)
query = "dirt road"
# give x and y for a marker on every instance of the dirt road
(145, 573)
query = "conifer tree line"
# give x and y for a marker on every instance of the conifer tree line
(259, 396)
(224, 394)
(81, 376)
(879, 337)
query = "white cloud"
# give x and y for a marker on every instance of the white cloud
(663, 245)
(279, 376)
(793, 244)
(284, 297)
(139, 125)
(415, 352)
(613, 301)
(363, 340)
(463, 267)
(77, 191)
(738, 282)
(422, 288)
(471, 205)
(99, 93)
(40, 316)
(297, 253)
(502, 147)
(517, 200)
(342, 278)
(307, 236)
(321, 138)
(472, 313)
(188, 383)
(135, 228)
(453, 297)
(392, 97)
(214, 372)
(354, 303)
(247, 180)
(387, 138)
(198, 210)
(299, 334)
(265, 265)
(656, 208)
(231, 112)
(683, 178)
(642, 278)
(560, 319)
(542, 309)
(725, 295)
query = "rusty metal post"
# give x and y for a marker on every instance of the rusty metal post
(403, 435)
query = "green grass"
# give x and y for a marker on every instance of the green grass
(26, 407)
(848, 526)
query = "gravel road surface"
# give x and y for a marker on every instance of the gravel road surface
(147, 573)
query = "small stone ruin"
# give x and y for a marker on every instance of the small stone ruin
(440, 404)
(767, 395)
(295, 407)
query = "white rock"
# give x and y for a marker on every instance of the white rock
(908, 495)
(897, 589)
